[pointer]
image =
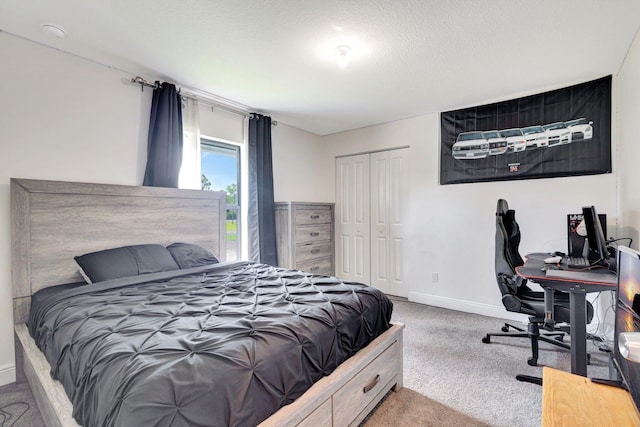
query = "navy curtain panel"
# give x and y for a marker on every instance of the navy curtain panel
(261, 212)
(164, 149)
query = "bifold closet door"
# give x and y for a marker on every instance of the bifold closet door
(352, 218)
(371, 206)
(389, 184)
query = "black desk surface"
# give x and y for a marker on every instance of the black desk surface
(562, 278)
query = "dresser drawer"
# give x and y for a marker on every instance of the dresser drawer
(318, 266)
(316, 215)
(304, 236)
(313, 233)
(308, 251)
(376, 378)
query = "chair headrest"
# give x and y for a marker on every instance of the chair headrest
(502, 207)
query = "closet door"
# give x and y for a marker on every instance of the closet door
(389, 184)
(352, 218)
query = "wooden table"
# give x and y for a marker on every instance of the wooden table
(573, 400)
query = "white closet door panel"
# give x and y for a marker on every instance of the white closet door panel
(396, 255)
(352, 209)
(361, 258)
(380, 221)
(398, 187)
(380, 189)
(359, 191)
(342, 255)
(379, 263)
(388, 210)
(343, 180)
(371, 193)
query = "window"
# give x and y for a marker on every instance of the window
(221, 171)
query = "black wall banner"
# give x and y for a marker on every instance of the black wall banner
(563, 132)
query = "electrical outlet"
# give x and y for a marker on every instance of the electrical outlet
(434, 277)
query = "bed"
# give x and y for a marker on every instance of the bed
(54, 221)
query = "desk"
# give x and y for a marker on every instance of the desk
(571, 400)
(577, 284)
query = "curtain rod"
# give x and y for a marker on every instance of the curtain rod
(142, 82)
(194, 94)
(373, 151)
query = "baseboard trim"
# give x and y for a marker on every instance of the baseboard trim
(7, 374)
(466, 306)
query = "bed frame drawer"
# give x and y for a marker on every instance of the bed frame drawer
(321, 417)
(361, 391)
(383, 356)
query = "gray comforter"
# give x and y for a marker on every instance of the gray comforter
(227, 344)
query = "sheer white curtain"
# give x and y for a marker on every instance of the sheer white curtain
(190, 170)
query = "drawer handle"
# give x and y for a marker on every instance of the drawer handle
(315, 216)
(315, 251)
(314, 233)
(369, 387)
(317, 267)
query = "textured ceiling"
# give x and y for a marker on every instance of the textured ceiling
(409, 57)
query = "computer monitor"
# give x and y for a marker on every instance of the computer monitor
(595, 236)
(577, 242)
(627, 317)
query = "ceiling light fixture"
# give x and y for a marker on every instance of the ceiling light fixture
(54, 30)
(343, 55)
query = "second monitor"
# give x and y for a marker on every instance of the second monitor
(597, 254)
(577, 236)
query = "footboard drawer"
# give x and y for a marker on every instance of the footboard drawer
(328, 401)
(321, 417)
(366, 387)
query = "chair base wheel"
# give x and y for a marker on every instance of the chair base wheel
(486, 339)
(532, 361)
(505, 329)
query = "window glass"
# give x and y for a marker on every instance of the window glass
(221, 171)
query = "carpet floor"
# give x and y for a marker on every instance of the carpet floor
(445, 359)
(408, 408)
(450, 377)
(18, 407)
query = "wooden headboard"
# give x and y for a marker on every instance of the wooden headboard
(53, 221)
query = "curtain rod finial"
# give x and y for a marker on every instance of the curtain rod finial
(138, 80)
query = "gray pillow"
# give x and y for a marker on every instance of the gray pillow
(125, 261)
(189, 255)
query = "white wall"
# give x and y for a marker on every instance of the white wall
(629, 146)
(451, 227)
(66, 118)
(222, 125)
(61, 118)
(301, 168)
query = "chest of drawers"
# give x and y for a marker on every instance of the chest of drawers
(304, 236)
